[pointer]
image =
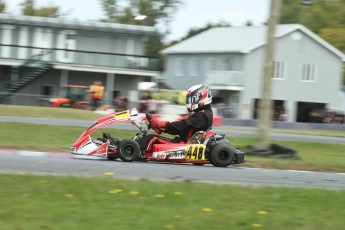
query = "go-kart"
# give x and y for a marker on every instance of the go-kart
(204, 147)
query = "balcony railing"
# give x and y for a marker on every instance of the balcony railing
(225, 78)
(77, 57)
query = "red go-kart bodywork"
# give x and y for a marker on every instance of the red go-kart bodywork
(202, 148)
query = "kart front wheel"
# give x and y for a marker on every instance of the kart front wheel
(128, 150)
(221, 155)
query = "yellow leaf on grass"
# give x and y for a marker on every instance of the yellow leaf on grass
(262, 212)
(108, 174)
(170, 226)
(178, 193)
(69, 195)
(160, 195)
(134, 193)
(207, 209)
(115, 191)
(257, 225)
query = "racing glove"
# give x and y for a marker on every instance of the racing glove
(158, 126)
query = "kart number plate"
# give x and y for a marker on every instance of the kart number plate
(122, 115)
(195, 152)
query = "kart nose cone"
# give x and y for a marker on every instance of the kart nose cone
(73, 150)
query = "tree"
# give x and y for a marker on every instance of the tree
(28, 8)
(194, 31)
(109, 9)
(317, 17)
(159, 13)
(2, 6)
(325, 18)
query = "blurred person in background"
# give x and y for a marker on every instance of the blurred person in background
(96, 94)
(122, 103)
(151, 105)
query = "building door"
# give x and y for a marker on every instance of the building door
(310, 112)
(278, 110)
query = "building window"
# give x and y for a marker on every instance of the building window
(194, 67)
(229, 63)
(213, 64)
(309, 72)
(179, 67)
(279, 71)
(210, 65)
(46, 90)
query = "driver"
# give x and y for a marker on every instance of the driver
(198, 101)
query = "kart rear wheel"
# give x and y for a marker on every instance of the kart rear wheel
(128, 150)
(221, 155)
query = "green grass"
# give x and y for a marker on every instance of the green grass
(313, 156)
(47, 137)
(47, 202)
(48, 112)
(316, 132)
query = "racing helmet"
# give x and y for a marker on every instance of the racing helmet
(198, 96)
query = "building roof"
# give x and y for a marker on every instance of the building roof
(74, 24)
(239, 40)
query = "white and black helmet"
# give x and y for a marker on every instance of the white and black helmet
(198, 96)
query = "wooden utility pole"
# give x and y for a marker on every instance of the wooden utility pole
(265, 104)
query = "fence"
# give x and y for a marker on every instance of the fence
(79, 57)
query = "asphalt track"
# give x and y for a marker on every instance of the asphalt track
(63, 164)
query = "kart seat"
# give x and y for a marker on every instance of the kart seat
(144, 142)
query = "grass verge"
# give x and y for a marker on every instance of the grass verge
(106, 203)
(48, 112)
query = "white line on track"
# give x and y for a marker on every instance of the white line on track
(31, 154)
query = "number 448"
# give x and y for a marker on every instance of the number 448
(195, 152)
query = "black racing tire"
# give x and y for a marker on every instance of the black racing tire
(128, 150)
(221, 155)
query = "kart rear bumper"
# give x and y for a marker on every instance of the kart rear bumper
(239, 157)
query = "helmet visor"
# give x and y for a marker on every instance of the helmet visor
(192, 99)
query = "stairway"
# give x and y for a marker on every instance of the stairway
(33, 68)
